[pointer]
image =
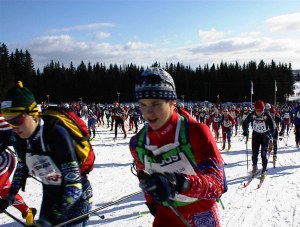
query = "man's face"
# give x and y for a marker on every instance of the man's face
(156, 111)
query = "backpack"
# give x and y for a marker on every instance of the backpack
(78, 130)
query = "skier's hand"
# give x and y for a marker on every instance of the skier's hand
(280, 133)
(162, 186)
(270, 148)
(152, 208)
(246, 133)
(4, 203)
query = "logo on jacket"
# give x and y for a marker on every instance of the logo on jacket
(204, 219)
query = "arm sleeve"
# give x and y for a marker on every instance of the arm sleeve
(63, 149)
(208, 183)
(21, 172)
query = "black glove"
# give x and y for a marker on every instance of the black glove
(152, 208)
(246, 133)
(280, 133)
(4, 203)
(162, 186)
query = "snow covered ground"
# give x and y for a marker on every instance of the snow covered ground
(277, 203)
(296, 95)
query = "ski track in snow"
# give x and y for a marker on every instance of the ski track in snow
(276, 203)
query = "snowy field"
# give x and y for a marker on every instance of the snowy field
(277, 203)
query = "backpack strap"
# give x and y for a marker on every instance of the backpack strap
(47, 130)
(184, 141)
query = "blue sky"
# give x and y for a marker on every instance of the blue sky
(192, 32)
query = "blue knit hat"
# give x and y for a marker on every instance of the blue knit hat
(155, 83)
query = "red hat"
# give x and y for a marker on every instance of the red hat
(272, 110)
(259, 105)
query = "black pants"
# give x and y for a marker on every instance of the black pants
(260, 141)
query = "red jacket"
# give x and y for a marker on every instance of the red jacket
(207, 185)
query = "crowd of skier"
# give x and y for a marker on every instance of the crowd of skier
(175, 155)
(225, 121)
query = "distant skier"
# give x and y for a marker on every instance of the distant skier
(263, 128)
(119, 113)
(227, 123)
(285, 114)
(295, 116)
(279, 125)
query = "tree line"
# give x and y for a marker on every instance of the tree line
(100, 83)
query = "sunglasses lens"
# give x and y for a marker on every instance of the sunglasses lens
(16, 121)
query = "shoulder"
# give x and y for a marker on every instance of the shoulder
(135, 139)
(56, 132)
(197, 128)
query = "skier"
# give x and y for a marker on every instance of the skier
(136, 118)
(286, 118)
(119, 114)
(66, 192)
(235, 113)
(279, 125)
(227, 123)
(295, 116)
(177, 160)
(107, 112)
(130, 113)
(7, 166)
(216, 122)
(92, 119)
(263, 128)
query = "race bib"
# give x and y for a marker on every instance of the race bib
(259, 126)
(44, 168)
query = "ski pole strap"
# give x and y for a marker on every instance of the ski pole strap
(13, 217)
(220, 201)
(178, 214)
(97, 209)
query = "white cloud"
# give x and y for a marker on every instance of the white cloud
(81, 27)
(284, 23)
(65, 48)
(250, 34)
(102, 35)
(208, 36)
(135, 45)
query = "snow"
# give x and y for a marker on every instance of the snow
(296, 95)
(277, 203)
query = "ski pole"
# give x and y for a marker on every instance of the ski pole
(13, 217)
(97, 209)
(247, 154)
(178, 214)
(100, 216)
